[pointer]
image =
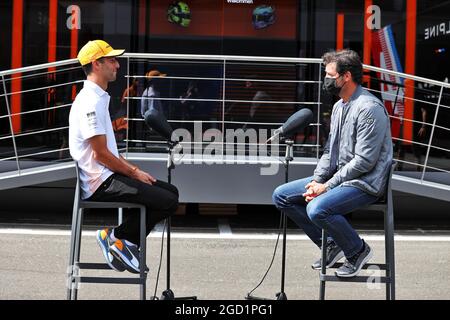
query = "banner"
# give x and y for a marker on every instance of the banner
(385, 56)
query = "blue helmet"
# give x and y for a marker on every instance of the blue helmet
(263, 16)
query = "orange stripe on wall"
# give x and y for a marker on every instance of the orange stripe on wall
(52, 29)
(16, 62)
(74, 44)
(340, 31)
(367, 40)
(410, 66)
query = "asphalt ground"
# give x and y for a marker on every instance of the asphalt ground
(218, 259)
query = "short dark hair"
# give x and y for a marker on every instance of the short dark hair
(346, 60)
(87, 68)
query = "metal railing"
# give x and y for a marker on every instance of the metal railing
(138, 63)
(224, 99)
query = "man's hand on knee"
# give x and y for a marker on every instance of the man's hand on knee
(143, 176)
(311, 184)
(314, 189)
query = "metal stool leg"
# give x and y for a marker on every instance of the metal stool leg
(390, 248)
(386, 253)
(70, 270)
(142, 254)
(77, 252)
(120, 216)
(323, 270)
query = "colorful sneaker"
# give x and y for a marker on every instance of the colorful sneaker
(127, 253)
(104, 241)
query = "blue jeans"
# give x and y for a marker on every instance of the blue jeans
(324, 212)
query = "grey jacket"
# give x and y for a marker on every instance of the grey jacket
(365, 145)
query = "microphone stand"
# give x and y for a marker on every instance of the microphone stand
(168, 293)
(282, 295)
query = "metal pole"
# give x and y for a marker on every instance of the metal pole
(128, 105)
(143, 253)
(432, 133)
(10, 125)
(288, 158)
(120, 216)
(401, 125)
(318, 114)
(223, 104)
(323, 263)
(169, 220)
(283, 261)
(168, 293)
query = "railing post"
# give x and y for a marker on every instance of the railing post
(431, 135)
(223, 107)
(128, 107)
(10, 125)
(318, 111)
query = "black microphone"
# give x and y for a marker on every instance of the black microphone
(296, 122)
(158, 122)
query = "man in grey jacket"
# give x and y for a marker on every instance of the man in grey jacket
(352, 171)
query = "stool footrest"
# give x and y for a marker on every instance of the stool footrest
(94, 266)
(378, 206)
(106, 205)
(110, 280)
(370, 279)
(381, 266)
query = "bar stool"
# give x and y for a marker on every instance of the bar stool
(383, 205)
(74, 277)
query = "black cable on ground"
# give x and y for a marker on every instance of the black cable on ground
(160, 261)
(273, 257)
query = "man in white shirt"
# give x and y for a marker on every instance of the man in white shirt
(104, 174)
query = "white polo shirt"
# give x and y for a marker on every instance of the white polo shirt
(89, 116)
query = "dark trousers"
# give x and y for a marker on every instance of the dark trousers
(160, 200)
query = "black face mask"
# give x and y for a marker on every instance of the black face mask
(329, 86)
